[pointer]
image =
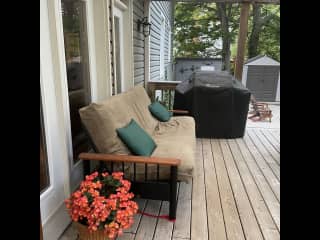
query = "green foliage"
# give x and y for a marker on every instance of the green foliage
(198, 30)
(269, 40)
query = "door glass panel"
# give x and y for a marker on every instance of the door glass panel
(44, 171)
(76, 54)
(117, 51)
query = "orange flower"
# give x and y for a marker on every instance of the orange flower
(94, 205)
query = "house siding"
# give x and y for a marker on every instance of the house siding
(156, 8)
(138, 43)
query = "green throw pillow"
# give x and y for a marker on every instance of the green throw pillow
(136, 139)
(160, 112)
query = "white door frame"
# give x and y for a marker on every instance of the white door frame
(53, 214)
(117, 12)
(127, 24)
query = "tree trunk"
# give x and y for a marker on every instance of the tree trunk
(253, 43)
(226, 37)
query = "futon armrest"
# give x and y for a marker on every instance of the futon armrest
(129, 159)
(179, 111)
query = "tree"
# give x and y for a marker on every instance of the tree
(228, 16)
(265, 33)
(196, 33)
(199, 27)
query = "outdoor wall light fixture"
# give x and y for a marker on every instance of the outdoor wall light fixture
(146, 26)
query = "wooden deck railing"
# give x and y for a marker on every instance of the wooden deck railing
(166, 92)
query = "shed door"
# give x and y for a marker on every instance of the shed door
(262, 82)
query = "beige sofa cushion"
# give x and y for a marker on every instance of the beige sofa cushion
(175, 139)
(103, 118)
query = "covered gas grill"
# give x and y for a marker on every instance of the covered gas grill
(217, 101)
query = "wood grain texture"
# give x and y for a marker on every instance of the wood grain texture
(275, 154)
(183, 219)
(267, 226)
(216, 227)
(199, 225)
(164, 227)
(248, 220)
(264, 153)
(231, 216)
(272, 140)
(261, 175)
(148, 224)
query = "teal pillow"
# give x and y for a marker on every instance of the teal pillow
(136, 139)
(160, 112)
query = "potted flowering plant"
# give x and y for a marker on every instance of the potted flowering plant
(102, 207)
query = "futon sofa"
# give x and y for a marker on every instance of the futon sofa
(153, 177)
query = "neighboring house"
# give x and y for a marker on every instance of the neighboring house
(89, 51)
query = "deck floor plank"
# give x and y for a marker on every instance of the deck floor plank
(164, 227)
(276, 134)
(126, 236)
(216, 227)
(267, 225)
(230, 212)
(183, 219)
(248, 219)
(260, 174)
(147, 224)
(199, 226)
(271, 139)
(264, 153)
(272, 151)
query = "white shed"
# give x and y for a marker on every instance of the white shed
(261, 75)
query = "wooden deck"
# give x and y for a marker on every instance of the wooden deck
(235, 194)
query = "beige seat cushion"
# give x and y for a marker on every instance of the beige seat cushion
(103, 118)
(174, 139)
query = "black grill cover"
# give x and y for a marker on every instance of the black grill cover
(218, 102)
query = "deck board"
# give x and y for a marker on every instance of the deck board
(271, 139)
(147, 224)
(261, 175)
(270, 148)
(164, 228)
(216, 226)
(230, 212)
(264, 218)
(199, 226)
(248, 219)
(183, 218)
(264, 152)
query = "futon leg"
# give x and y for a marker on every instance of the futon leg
(86, 168)
(173, 193)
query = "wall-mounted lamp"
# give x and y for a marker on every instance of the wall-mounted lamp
(146, 26)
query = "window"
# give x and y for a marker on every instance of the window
(44, 171)
(77, 61)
